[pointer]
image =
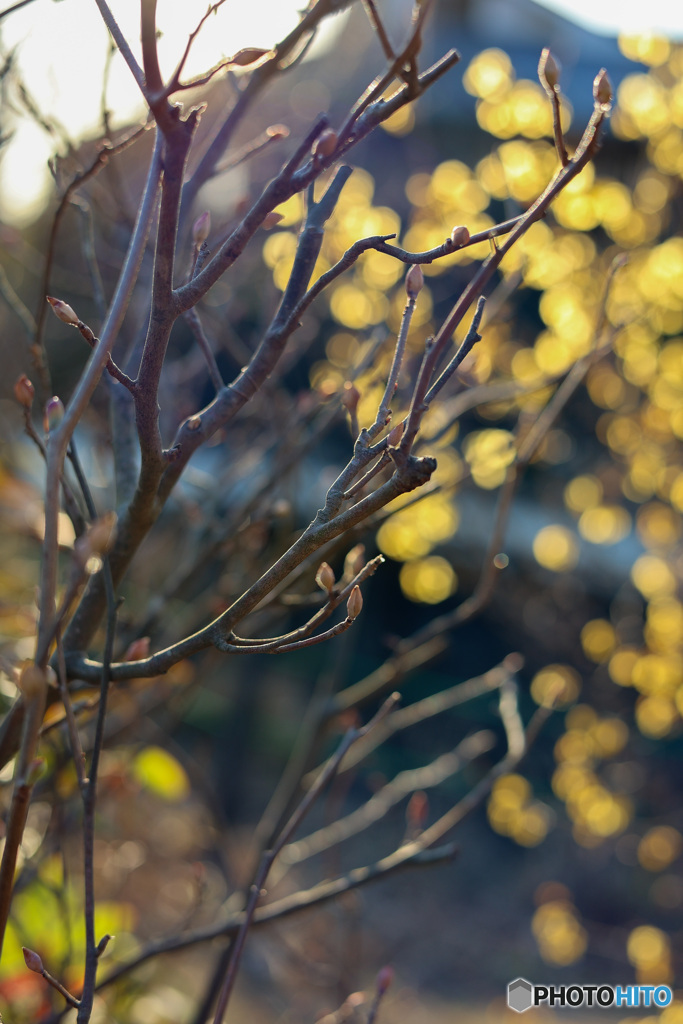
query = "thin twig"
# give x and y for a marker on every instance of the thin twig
(269, 856)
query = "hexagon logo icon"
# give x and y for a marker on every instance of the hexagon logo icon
(520, 995)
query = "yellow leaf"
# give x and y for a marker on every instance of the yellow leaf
(156, 769)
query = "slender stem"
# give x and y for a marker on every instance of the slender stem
(120, 40)
(351, 737)
(59, 439)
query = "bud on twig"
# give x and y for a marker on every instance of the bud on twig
(271, 219)
(54, 414)
(354, 561)
(63, 311)
(350, 396)
(249, 55)
(32, 960)
(414, 281)
(354, 603)
(548, 71)
(384, 979)
(602, 89)
(417, 811)
(103, 943)
(395, 435)
(278, 131)
(138, 650)
(460, 236)
(201, 228)
(325, 577)
(325, 144)
(24, 391)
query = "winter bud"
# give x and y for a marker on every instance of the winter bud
(417, 811)
(63, 311)
(201, 228)
(54, 414)
(548, 71)
(325, 577)
(24, 391)
(32, 961)
(414, 281)
(271, 219)
(395, 434)
(354, 561)
(138, 650)
(277, 131)
(384, 979)
(460, 236)
(602, 89)
(249, 55)
(325, 144)
(194, 422)
(354, 603)
(350, 396)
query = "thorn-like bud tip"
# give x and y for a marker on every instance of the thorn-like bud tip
(62, 310)
(602, 89)
(32, 961)
(548, 71)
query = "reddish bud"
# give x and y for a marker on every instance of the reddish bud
(138, 650)
(54, 414)
(548, 71)
(201, 228)
(325, 577)
(602, 89)
(249, 55)
(350, 396)
(384, 979)
(354, 603)
(395, 434)
(32, 961)
(414, 281)
(417, 811)
(62, 310)
(325, 144)
(24, 391)
(460, 236)
(271, 219)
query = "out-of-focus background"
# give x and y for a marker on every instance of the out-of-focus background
(571, 870)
